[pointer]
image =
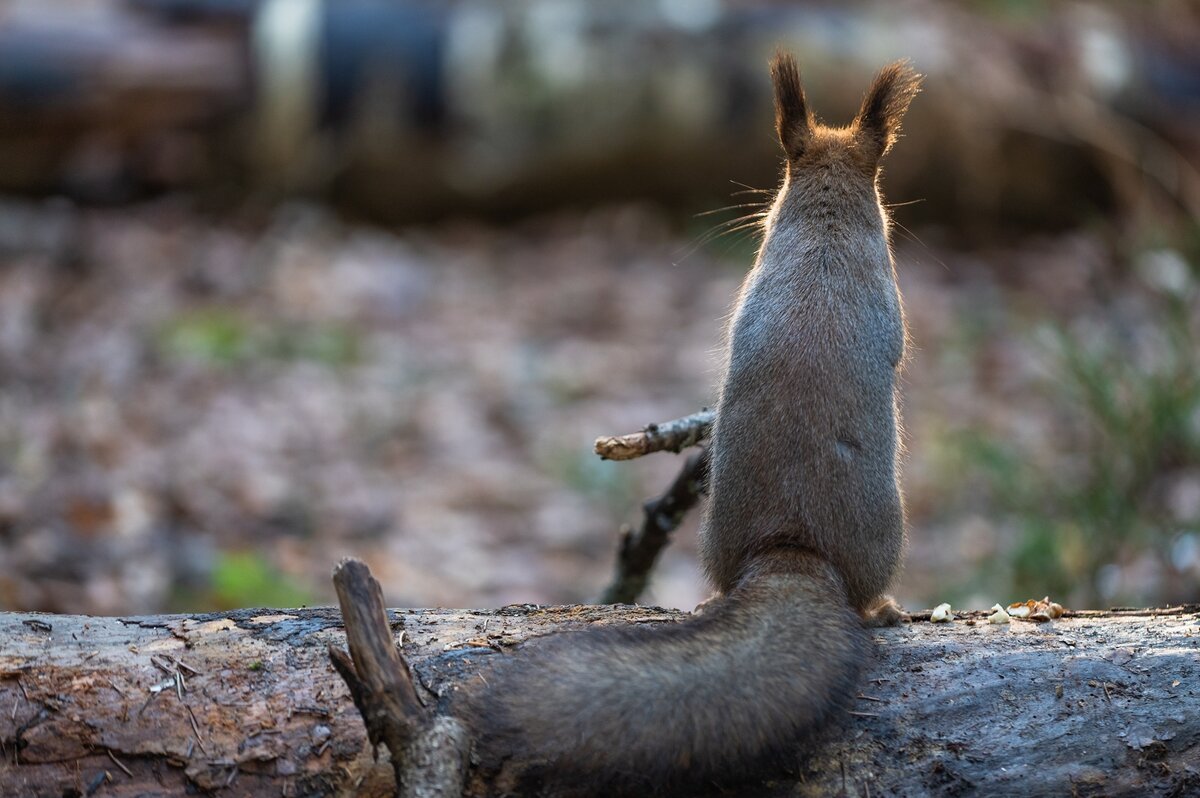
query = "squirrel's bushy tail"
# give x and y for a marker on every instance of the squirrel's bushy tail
(715, 697)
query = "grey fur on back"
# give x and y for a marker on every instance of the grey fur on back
(805, 447)
(805, 520)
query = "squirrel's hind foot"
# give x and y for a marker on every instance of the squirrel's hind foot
(884, 611)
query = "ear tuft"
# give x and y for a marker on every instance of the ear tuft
(884, 105)
(793, 120)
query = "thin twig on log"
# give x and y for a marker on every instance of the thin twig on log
(429, 753)
(669, 436)
(661, 516)
(639, 550)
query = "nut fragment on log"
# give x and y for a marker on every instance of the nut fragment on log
(246, 703)
(669, 436)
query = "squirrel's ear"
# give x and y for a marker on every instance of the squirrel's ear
(793, 120)
(878, 121)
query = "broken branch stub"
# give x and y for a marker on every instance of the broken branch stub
(429, 753)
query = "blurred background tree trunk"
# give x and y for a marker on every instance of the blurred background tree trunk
(402, 110)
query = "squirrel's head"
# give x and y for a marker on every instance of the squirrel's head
(872, 133)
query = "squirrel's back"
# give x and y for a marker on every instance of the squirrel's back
(808, 403)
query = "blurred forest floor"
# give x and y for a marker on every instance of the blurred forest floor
(201, 412)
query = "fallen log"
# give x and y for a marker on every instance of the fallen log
(247, 703)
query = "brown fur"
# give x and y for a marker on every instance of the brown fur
(804, 527)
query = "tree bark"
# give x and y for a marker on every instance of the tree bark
(247, 703)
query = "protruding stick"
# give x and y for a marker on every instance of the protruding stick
(670, 436)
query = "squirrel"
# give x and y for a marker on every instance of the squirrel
(804, 526)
